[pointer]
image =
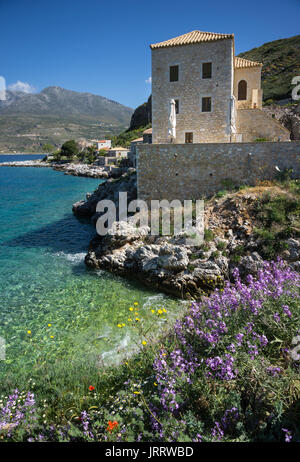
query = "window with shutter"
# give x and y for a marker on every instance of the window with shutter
(174, 73)
(206, 104)
(206, 70)
(189, 137)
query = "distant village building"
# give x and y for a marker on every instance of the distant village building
(218, 96)
(146, 138)
(119, 152)
(102, 144)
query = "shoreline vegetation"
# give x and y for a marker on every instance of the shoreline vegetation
(226, 371)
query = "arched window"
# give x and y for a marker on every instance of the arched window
(242, 90)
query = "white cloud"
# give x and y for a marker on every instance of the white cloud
(149, 80)
(21, 86)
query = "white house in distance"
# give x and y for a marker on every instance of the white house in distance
(102, 144)
(218, 96)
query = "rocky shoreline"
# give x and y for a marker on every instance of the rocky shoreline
(84, 170)
(167, 263)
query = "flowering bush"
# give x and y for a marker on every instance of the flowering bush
(235, 336)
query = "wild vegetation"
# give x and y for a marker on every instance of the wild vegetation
(281, 63)
(124, 139)
(71, 151)
(228, 370)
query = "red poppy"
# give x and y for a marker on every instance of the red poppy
(91, 388)
(111, 425)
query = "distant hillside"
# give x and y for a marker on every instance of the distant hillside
(281, 62)
(55, 115)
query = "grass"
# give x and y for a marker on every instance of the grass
(281, 63)
(208, 235)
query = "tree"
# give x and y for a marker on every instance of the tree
(70, 149)
(47, 147)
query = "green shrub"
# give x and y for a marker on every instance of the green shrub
(221, 193)
(237, 253)
(208, 235)
(221, 245)
(228, 184)
(284, 175)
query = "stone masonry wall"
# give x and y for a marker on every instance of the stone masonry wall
(189, 171)
(254, 123)
(191, 87)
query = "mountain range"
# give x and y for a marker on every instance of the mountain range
(29, 120)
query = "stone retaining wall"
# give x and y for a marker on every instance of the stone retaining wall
(189, 171)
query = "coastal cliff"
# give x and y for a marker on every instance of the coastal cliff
(242, 229)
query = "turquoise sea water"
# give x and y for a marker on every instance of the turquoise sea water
(45, 288)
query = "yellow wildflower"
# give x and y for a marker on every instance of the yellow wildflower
(135, 303)
(152, 311)
(137, 319)
(129, 319)
(155, 384)
(49, 325)
(29, 332)
(159, 311)
(51, 336)
(119, 325)
(136, 392)
(144, 342)
(131, 309)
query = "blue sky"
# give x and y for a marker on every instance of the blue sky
(103, 46)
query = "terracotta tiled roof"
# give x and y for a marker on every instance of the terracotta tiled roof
(148, 131)
(240, 63)
(118, 148)
(195, 36)
(138, 139)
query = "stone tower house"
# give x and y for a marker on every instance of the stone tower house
(213, 91)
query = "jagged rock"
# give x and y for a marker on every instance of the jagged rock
(288, 116)
(222, 263)
(122, 233)
(293, 249)
(141, 116)
(173, 258)
(250, 264)
(110, 190)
